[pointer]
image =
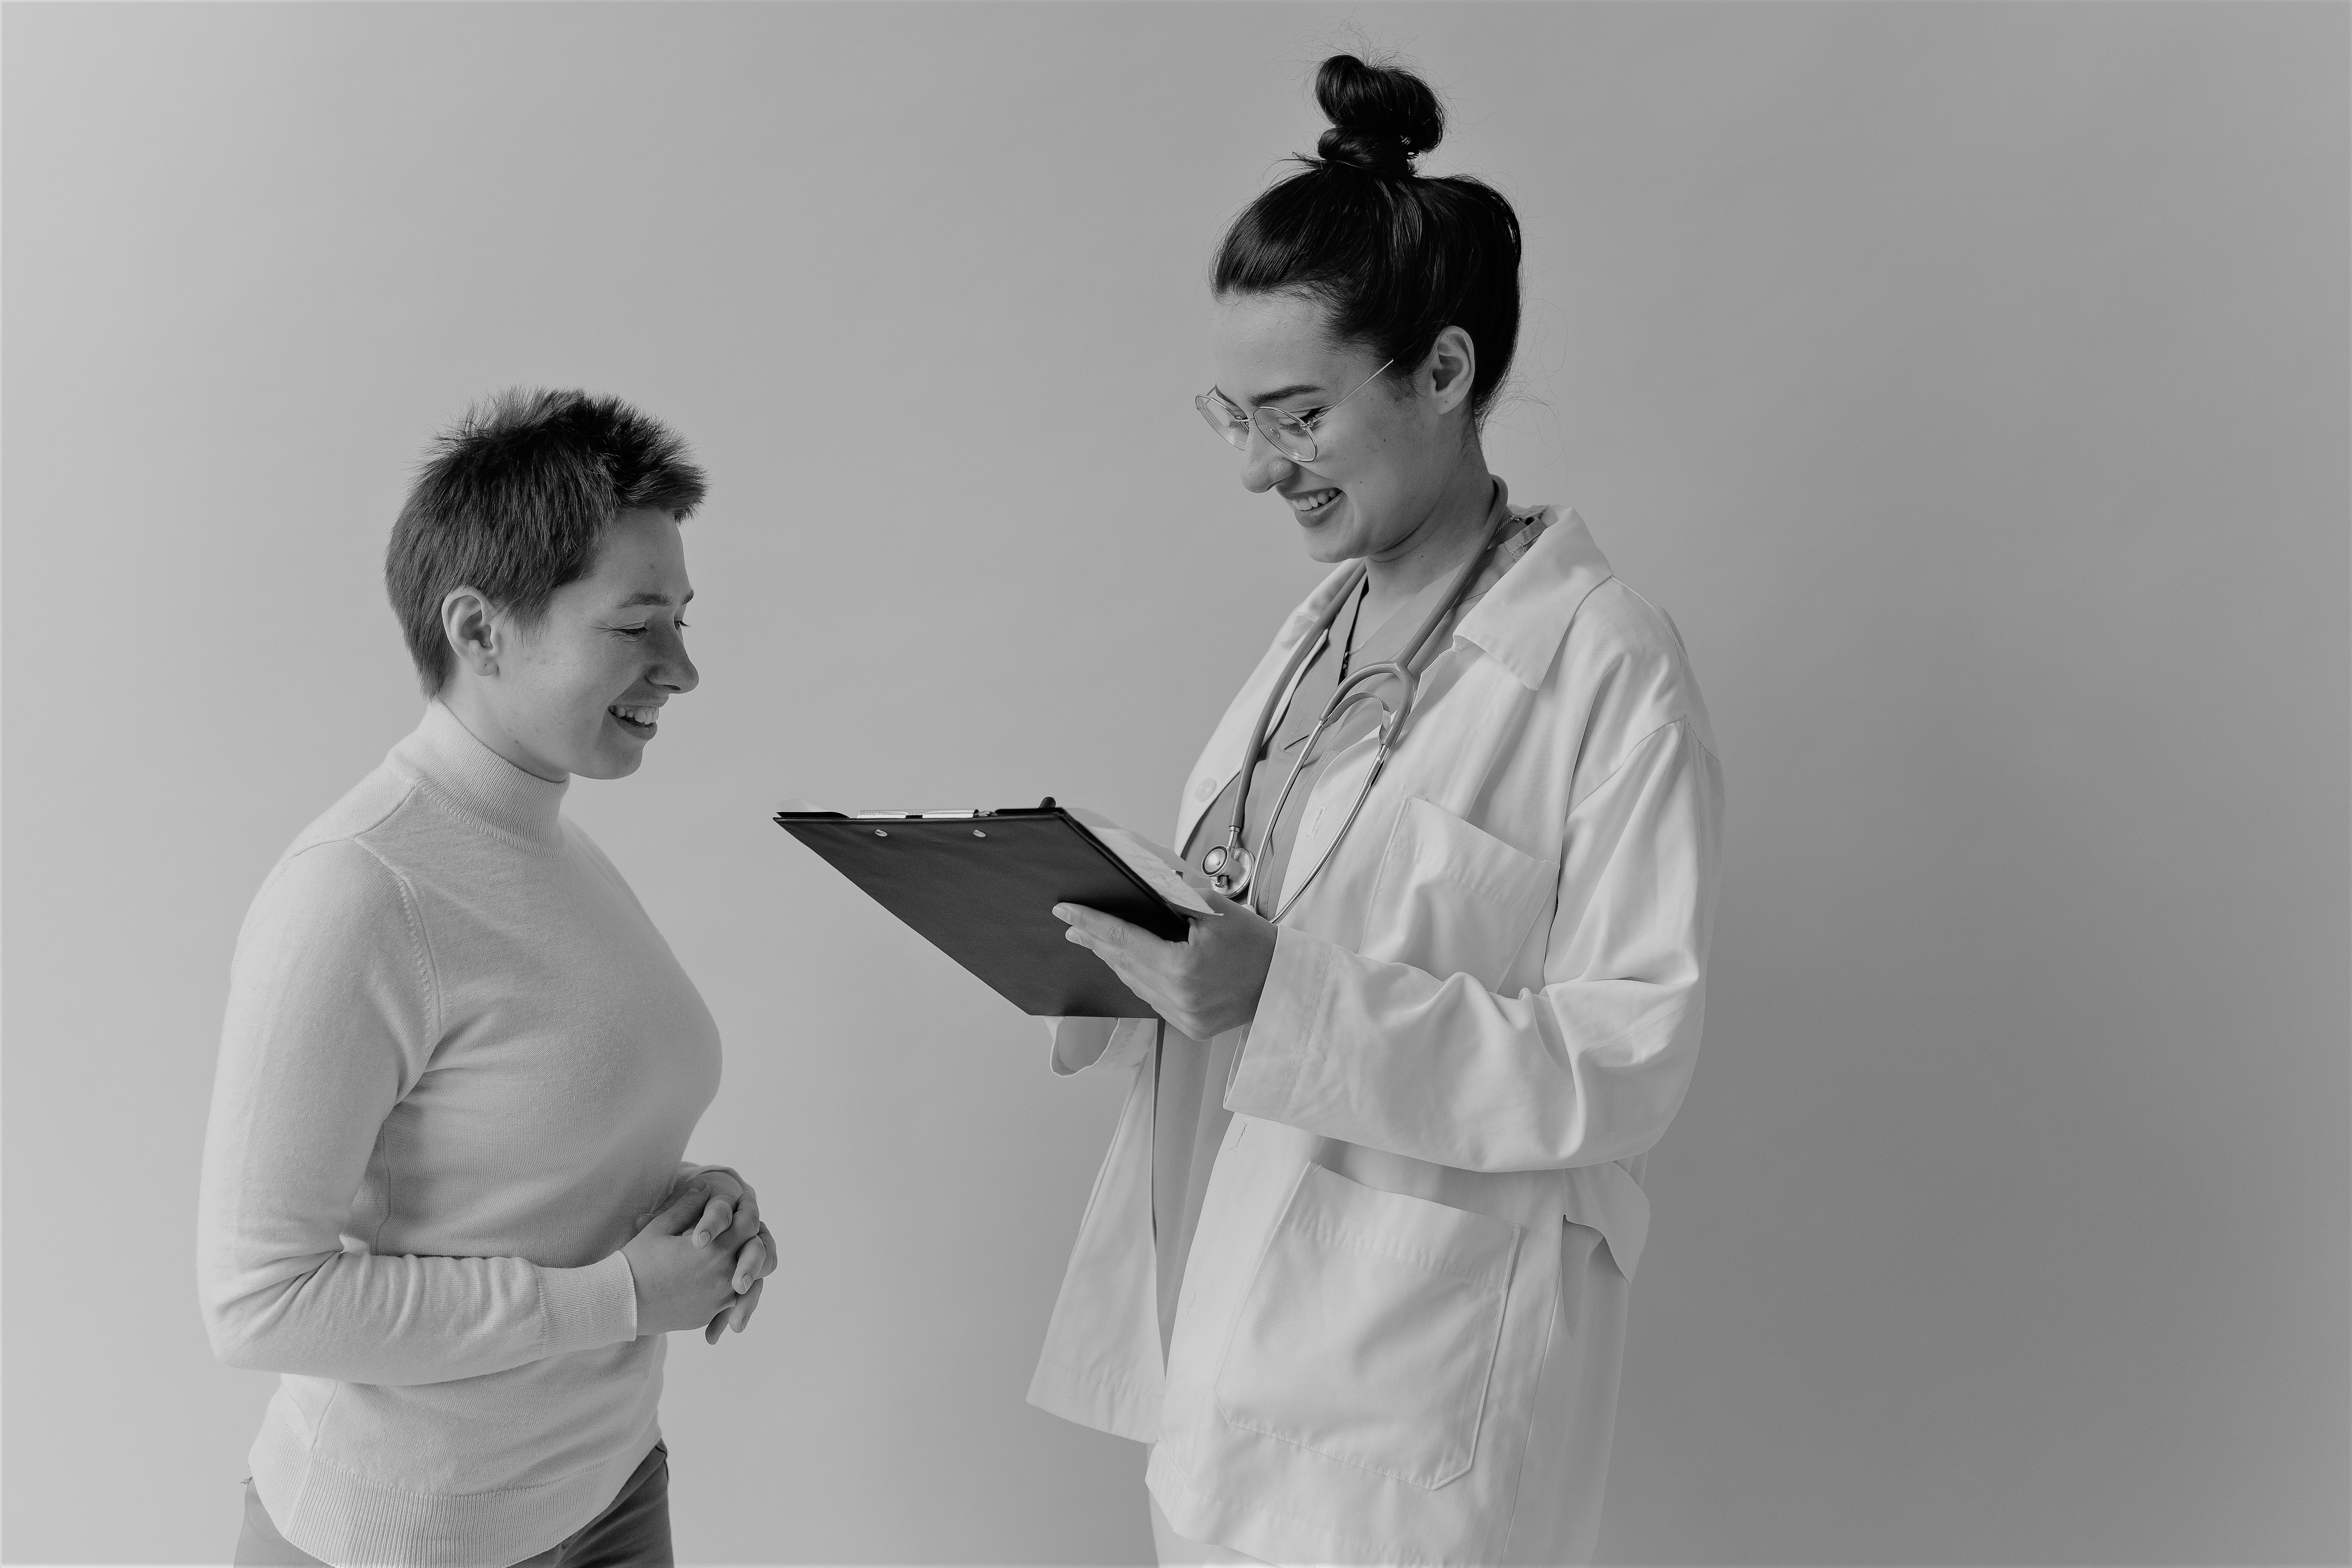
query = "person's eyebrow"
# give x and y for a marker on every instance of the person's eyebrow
(647, 598)
(1276, 396)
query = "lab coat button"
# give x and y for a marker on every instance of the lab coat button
(1204, 789)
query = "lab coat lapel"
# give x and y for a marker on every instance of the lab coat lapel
(1522, 621)
(1500, 653)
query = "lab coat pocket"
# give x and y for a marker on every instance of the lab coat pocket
(1370, 1330)
(1453, 898)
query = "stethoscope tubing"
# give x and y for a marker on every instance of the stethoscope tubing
(1390, 724)
(1350, 690)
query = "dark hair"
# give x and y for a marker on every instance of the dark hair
(1396, 257)
(513, 499)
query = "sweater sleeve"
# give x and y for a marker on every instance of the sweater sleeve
(332, 1017)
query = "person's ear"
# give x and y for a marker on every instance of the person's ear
(473, 628)
(1450, 368)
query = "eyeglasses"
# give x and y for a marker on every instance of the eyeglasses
(1292, 435)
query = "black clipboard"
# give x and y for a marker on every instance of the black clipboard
(980, 886)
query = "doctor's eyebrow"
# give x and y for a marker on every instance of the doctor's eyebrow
(650, 598)
(1276, 396)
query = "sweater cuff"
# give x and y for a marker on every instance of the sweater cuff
(589, 1308)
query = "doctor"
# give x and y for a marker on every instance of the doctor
(1356, 1265)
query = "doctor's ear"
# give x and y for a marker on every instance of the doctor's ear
(1449, 369)
(474, 629)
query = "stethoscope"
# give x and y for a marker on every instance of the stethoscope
(1229, 866)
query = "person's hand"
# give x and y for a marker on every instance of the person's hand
(681, 1283)
(731, 1220)
(1205, 985)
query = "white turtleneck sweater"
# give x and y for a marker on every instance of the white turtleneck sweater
(459, 1066)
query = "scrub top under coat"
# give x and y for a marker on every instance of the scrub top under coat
(1398, 1331)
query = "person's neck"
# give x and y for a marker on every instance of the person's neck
(465, 698)
(1452, 532)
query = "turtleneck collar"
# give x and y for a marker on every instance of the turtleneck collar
(481, 783)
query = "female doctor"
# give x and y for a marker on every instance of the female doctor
(1356, 1265)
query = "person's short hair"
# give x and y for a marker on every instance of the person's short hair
(1395, 256)
(512, 500)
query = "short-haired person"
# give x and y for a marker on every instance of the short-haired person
(1356, 1266)
(444, 1188)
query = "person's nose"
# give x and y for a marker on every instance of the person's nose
(1262, 467)
(674, 672)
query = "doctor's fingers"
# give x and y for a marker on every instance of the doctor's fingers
(1167, 998)
(1099, 930)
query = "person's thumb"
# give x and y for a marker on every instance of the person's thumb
(678, 1216)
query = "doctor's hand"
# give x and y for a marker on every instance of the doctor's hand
(1205, 985)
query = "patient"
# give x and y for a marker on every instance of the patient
(444, 1192)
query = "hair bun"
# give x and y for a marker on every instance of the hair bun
(1381, 118)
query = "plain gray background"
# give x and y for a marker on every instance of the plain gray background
(1969, 381)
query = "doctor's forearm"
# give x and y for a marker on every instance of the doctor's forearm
(1393, 1057)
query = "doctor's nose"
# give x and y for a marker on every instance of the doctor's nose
(1262, 467)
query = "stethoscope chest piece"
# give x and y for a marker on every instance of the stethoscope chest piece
(1228, 868)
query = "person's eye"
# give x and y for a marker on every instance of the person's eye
(631, 632)
(680, 625)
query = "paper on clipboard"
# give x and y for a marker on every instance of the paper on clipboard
(1159, 868)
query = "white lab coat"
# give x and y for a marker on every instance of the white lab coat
(1403, 1310)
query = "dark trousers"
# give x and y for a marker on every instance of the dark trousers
(634, 1533)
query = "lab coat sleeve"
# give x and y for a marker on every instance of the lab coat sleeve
(1099, 1045)
(331, 1019)
(1589, 1069)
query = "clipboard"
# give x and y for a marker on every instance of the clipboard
(980, 886)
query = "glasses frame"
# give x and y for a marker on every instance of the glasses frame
(1234, 422)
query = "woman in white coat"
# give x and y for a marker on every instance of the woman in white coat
(1356, 1265)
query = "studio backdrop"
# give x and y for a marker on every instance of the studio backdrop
(1970, 382)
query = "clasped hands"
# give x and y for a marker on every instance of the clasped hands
(1205, 985)
(700, 1260)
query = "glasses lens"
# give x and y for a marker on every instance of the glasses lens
(1286, 435)
(1224, 418)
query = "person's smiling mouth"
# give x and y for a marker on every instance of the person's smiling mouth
(1312, 503)
(635, 717)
